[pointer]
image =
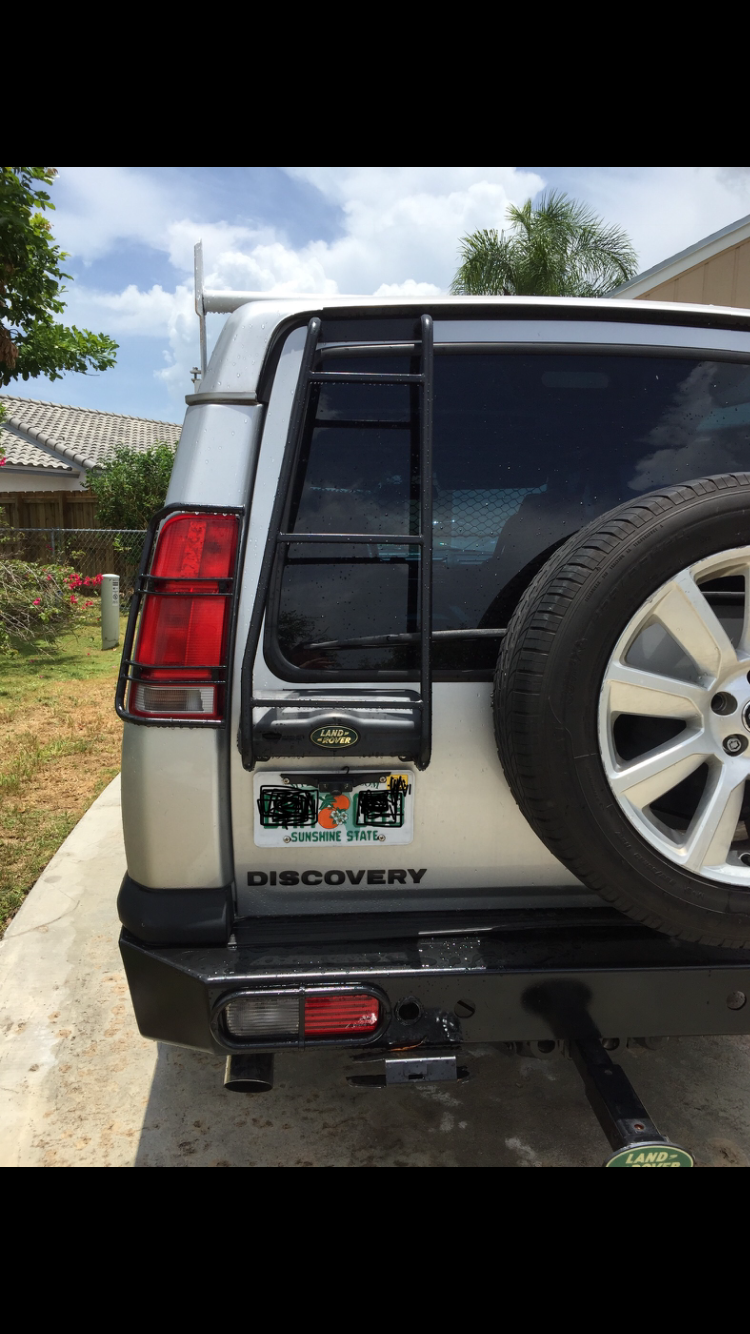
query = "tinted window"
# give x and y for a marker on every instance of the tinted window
(527, 449)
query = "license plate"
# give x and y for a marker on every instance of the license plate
(345, 810)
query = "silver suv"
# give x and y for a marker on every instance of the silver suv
(435, 688)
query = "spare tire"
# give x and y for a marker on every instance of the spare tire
(622, 708)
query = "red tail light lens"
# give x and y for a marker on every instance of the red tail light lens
(341, 1016)
(181, 650)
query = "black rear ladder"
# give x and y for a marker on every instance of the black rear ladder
(343, 707)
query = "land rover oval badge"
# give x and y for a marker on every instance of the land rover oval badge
(335, 738)
(651, 1155)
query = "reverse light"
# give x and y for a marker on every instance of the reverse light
(259, 1017)
(180, 659)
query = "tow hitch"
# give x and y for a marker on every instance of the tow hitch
(620, 1112)
(424, 1069)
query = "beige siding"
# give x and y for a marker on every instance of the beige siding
(722, 280)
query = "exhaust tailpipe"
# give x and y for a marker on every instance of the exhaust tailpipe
(249, 1074)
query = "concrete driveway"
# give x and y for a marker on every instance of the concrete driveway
(79, 1087)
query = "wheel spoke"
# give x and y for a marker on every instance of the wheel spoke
(714, 824)
(650, 777)
(631, 690)
(744, 645)
(680, 618)
(684, 612)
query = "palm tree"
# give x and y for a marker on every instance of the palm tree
(558, 248)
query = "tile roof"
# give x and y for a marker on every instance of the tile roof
(81, 437)
(19, 452)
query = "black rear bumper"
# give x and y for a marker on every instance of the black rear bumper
(540, 975)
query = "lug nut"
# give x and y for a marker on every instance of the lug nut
(734, 745)
(723, 703)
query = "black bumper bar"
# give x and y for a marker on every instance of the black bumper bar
(539, 976)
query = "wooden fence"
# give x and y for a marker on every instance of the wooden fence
(49, 509)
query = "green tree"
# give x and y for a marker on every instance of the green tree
(132, 486)
(32, 341)
(559, 247)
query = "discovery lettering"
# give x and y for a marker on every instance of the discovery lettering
(288, 878)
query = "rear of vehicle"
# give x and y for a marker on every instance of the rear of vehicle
(324, 847)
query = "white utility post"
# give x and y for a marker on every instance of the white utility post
(110, 610)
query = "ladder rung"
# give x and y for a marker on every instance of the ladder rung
(403, 637)
(368, 539)
(333, 350)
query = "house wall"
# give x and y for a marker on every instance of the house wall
(722, 280)
(28, 481)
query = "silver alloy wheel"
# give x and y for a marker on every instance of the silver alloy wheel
(684, 660)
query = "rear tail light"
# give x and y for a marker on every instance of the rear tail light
(341, 1016)
(179, 666)
(284, 1016)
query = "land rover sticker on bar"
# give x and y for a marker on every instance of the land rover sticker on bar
(294, 809)
(651, 1155)
(334, 738)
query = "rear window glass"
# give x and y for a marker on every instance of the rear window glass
(527, 450)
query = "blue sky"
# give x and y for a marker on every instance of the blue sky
(130, 233)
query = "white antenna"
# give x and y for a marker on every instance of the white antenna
(223, 303)
(200, 308)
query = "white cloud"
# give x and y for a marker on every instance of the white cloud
(219, 239)
(182, 352)
(403, 224)
(129, 312)
(409, 288)
(666, 209)
(169, 316)
(381, 186)
(401, 227)
(735, 177)
(400, 231)
(95, 207)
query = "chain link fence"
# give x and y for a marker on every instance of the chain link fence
(88, 550)
(467, 524)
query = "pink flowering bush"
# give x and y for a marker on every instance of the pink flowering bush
(92, 581)
(38, 602)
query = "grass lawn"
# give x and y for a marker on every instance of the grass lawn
(59, 747)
